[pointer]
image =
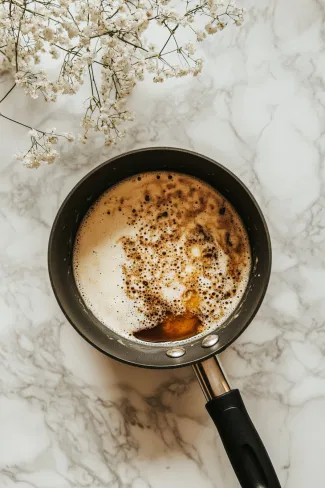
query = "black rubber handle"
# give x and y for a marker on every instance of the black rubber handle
(243, 445)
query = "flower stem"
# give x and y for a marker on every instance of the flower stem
(3, 98)
(20, 123)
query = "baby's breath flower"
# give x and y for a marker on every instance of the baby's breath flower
(69, 137)
(107, 43)
(190, 48)
(48, 34)
(54, 52)
(158, 78)
(200, 36)
(213, 28)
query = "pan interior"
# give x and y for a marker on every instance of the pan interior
(161, 258)
(86, 193)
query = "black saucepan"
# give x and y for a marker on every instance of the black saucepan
(242, 442)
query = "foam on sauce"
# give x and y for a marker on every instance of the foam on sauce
(161, 257)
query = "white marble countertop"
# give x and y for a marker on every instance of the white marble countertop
(70, 417)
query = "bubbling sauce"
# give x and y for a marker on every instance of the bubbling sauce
(161, 257)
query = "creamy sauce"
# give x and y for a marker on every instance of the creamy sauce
(161, 257)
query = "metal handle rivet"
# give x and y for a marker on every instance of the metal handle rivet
(176, 352)
(210, 340)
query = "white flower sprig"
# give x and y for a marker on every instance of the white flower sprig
(41, 150)
(102, 40)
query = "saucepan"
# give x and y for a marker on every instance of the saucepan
(244, 447)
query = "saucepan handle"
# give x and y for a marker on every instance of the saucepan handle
(243, 445)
